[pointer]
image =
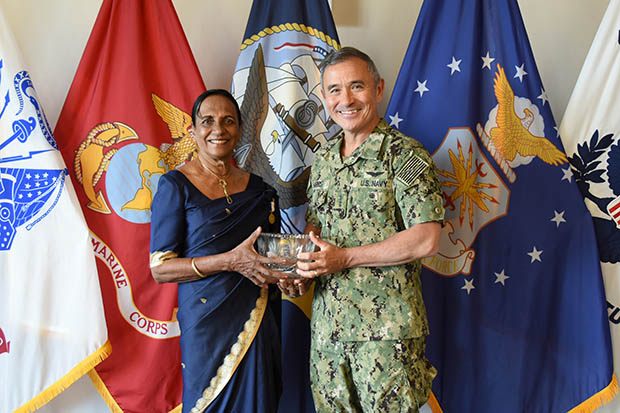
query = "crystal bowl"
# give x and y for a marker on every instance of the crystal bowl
(286, 246)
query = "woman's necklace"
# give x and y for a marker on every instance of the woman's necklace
(221, 180)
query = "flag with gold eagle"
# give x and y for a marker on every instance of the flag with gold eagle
(52, 325)
(515, 296)
(124, 124)
(277, 85)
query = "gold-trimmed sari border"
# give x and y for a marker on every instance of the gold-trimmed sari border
(158, 257)
(236, 354)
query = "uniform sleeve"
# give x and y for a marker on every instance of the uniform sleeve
(168, 218)
(416, 187)
(311, 216)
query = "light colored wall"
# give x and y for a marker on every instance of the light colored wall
(52, 36)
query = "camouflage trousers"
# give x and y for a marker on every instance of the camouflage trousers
(370, 376)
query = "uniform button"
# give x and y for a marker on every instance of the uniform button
(182, 365)
(203, 300)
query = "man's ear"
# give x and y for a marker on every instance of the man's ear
(380, 88)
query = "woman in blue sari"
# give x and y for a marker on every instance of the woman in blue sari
(206, 216)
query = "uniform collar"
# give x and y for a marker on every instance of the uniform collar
(369, 149)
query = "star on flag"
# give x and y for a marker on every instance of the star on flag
(487, 60)
(558, 218)
(395, 120)
(501, 277)
(535, 254)
(520, 72)
(543, 96)
(454, 66)
(469, 285)
(421, 88)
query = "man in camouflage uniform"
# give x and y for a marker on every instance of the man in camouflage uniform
(376, 203)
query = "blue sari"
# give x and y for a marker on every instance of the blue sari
(230, 338)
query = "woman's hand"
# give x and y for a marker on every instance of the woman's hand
(246, 261)
(294, 288)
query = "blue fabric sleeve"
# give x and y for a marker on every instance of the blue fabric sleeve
(168, 217)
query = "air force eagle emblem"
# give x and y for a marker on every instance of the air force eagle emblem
(513, 139)
(474, 193)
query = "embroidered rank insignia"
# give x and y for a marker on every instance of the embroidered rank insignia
(410, 171)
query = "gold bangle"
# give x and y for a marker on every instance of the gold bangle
(196, 270)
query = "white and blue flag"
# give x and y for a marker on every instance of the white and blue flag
(590, 131)
(52, 325)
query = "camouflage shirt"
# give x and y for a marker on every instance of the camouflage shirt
(386, 185)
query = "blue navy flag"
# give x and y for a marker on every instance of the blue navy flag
(277, 85)
(515, 296)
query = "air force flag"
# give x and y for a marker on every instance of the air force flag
(515, 296)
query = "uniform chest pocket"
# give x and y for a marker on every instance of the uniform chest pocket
(319, 199)
(319, 202)
(372, 204)
(371, 197)
(330, 205)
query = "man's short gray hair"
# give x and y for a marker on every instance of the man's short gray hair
(346, 53)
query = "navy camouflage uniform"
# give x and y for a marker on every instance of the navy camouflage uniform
(369, 323)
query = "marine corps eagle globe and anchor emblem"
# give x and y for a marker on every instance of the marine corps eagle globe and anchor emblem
(119, 175)
(105, 145)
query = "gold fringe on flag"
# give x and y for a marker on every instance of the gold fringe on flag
(434, 404)
(67, 380)
(104, 392)
(107, 397)
(177, 409)
(599, 399)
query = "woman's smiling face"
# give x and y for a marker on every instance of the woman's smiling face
(217, 128)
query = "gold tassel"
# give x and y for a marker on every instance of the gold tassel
(103, 391)
(434, 404)
(599, 399)
(67, 380)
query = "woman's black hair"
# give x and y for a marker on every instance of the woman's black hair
(212, 92)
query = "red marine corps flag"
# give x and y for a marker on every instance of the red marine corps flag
(123, 125)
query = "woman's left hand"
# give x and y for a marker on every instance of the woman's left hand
(246, 261)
